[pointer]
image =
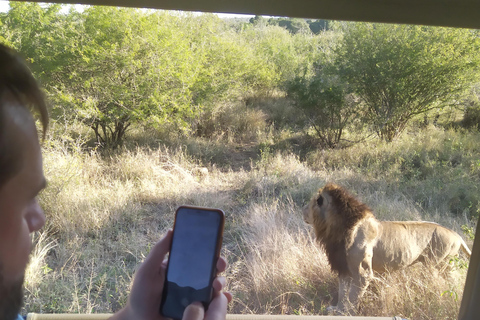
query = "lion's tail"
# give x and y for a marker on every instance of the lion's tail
(465, 248)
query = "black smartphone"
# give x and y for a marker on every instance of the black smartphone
(195, 249)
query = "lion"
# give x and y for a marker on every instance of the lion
(357, 244)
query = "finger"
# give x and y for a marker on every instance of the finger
(219, 283)
(217, 309)
(194, 311)
(228, 295)
(221, 264)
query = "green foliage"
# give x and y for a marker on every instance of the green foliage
(258, 20)
(31, 28)
(319, 25)
(325, 98)
(328, 106)
(458, 263)
(112, 67)
(451, 293)
(469, 232)
(293, 25)
(143, 59)
(471, 115)
(286, 56)
(229, 68)
(400, 71)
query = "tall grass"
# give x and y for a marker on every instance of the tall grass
(106, 210)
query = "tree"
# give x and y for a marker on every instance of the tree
(319, 25)
(400, 71)
(146, 62)
(293, 25)
(229, 67)
(127, 66)
(289, 56)
(258, 20)
(37, 33)
(325, 98)
(328, 105)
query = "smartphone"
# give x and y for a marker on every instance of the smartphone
(194, 251)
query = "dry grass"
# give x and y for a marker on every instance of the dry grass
(415, 293)
(282, 271)
(105, 211)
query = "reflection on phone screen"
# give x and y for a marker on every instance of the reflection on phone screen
(193, 248)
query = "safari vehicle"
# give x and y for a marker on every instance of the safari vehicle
(458, 13)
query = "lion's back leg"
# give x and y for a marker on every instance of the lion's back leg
(442, 246)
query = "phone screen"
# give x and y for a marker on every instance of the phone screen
(192, 261)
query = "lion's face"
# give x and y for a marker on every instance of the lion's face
(316, 211)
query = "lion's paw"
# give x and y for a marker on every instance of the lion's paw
(334, 310)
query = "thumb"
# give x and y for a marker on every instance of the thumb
(154, 266)
(158, 252)
(194, 311)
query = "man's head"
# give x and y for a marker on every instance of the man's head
(21, 175)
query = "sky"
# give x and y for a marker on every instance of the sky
(3, 6)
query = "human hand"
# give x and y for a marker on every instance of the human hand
(217, 310)
(146, 294)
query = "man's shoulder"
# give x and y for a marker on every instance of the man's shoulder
(19, 317)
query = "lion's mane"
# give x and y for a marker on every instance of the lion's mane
(334, 231)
